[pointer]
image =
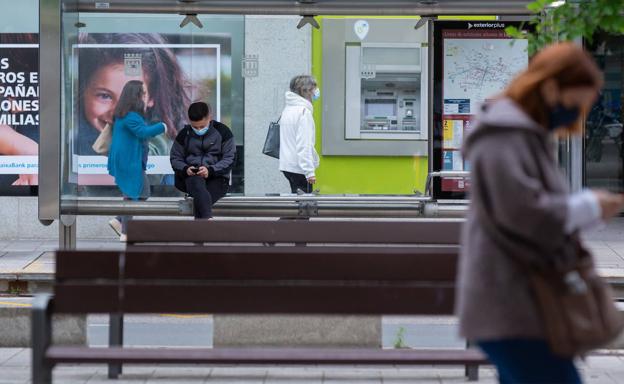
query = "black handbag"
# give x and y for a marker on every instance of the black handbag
(272, 141)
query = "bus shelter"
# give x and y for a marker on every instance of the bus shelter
(400, 81)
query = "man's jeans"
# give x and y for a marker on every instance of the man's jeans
(205, 193)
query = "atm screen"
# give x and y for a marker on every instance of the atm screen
(381, 108)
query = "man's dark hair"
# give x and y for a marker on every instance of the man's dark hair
(131, 99)
(198, 111)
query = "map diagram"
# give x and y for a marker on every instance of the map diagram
(476, 69)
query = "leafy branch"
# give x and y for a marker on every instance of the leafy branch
(554, 20)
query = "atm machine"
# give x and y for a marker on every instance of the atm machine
(375, 87)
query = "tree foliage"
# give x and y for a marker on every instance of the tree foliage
(563, 21)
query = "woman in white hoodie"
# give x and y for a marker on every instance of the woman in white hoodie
(298, 159)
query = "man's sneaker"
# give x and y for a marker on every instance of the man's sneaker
(116, 225)
(123, 238)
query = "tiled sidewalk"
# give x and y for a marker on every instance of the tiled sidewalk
(15, 368)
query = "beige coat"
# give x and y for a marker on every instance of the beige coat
(516, 187)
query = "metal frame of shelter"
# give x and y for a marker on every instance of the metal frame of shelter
(54, 14)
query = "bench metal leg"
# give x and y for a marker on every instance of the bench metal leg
(115, 339)
(41, 323)
(471, 370)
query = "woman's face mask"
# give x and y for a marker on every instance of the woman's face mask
(562, 116)
(316, 95)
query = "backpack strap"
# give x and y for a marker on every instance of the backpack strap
(183, 138)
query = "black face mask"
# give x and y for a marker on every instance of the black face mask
(561, 116)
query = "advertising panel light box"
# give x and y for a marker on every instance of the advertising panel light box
(474, 62)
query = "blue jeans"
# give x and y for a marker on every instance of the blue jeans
(529, 361)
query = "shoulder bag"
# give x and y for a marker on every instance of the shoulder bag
(272, 141)
(576, 306)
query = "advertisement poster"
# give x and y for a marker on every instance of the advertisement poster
(175, 74)
(477, 63)
(19, 109)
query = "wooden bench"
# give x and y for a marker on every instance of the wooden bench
(302, 232)
(242, 279)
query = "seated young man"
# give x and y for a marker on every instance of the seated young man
(202, 156)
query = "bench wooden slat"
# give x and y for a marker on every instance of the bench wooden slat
(208, 248)
(95, 264)
(412, 232)
(61, 354)
(247, 298)
(278, 263)
(85, 298)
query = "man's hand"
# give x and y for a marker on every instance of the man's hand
(203, 172)
(191, 171)
(312, 179)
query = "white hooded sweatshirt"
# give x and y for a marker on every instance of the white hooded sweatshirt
(297, 137)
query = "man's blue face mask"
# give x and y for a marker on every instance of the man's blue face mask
(200, 132)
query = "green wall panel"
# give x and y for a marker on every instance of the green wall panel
(365, 174)
(362, 174)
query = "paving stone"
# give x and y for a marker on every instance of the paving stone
(298, 375)
(347, 374)
(619, 251)
(601, 363)
(594, 245)
(20, 359)
(73, 374)
(179, 374)
(14, 375)
(103, 379)
(599, 378)
(8, 353)
(234, 375)
(22, 246)
(410, 380)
